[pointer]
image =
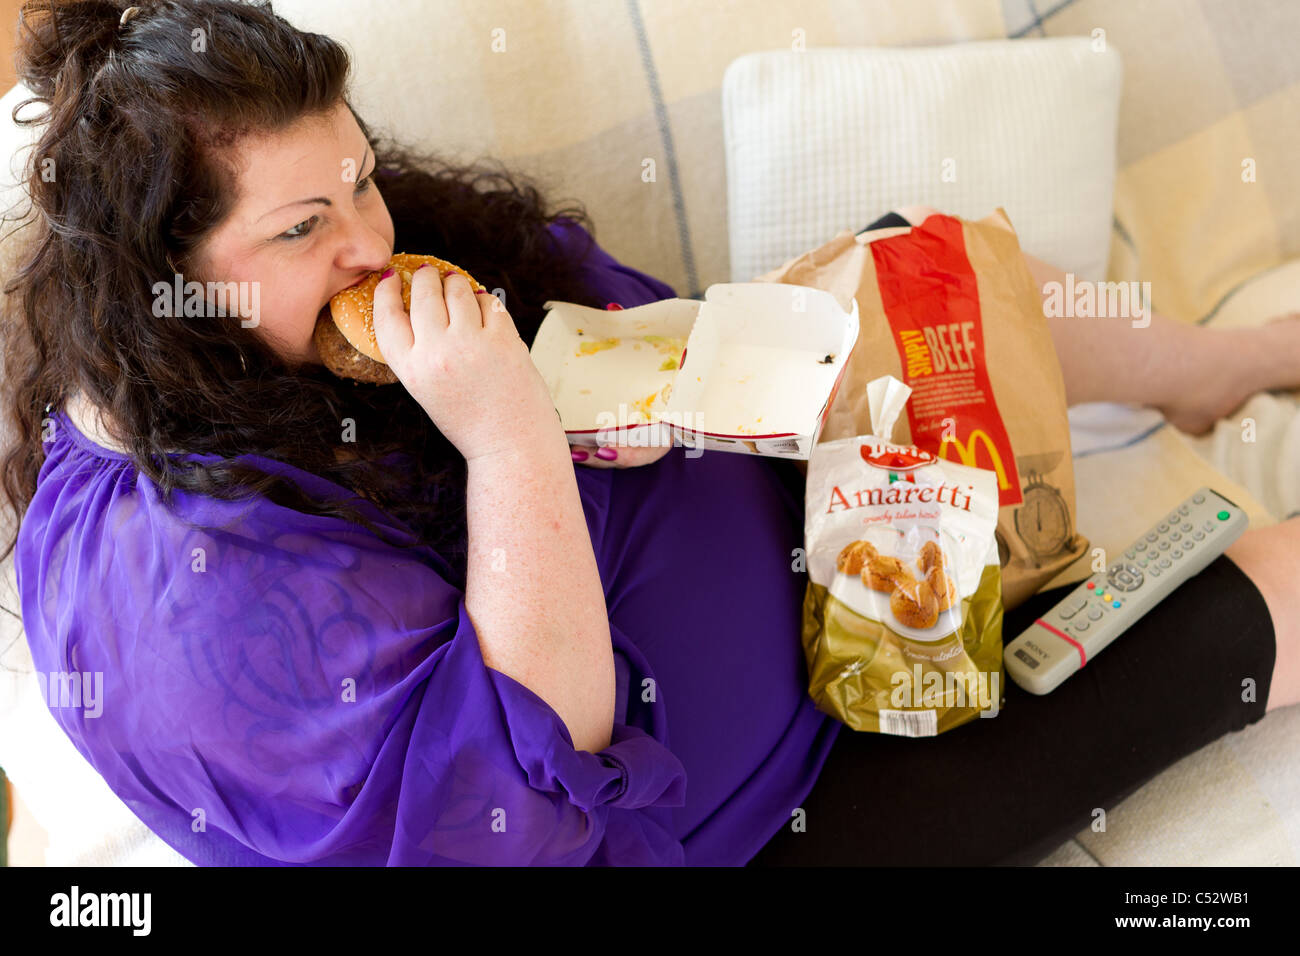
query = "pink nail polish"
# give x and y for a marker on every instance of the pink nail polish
(607, 454)
(386, 274)
(579, 454)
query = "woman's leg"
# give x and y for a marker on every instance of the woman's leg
(1194, 375)
(1270, 557)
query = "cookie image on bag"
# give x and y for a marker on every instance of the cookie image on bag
(854, 557)
(914, 603)
(882, 571)
(945, 591)
(931, 556)
(932, 567)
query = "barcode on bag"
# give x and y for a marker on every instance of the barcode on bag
(909, 723)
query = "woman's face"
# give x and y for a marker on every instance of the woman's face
(307, 224)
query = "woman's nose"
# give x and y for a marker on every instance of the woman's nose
(365, 248)
(371, 251)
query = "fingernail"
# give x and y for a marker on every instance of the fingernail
(482, 292)
(607, 454)
(423, 265)
(386, 274)
(579, 454)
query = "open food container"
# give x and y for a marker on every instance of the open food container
(753, 368)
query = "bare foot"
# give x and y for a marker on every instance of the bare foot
(1249, 360)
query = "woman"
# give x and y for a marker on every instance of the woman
(348, 624)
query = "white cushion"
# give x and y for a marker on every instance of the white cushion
(829, 139)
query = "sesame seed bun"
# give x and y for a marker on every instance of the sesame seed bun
(345, 337)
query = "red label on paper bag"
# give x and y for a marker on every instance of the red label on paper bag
(931, 300)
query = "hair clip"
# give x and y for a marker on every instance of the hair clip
(127, 14)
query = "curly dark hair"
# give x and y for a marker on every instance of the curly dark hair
(135, 128)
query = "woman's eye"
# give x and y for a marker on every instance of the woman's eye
(362, 186)
(290, 234)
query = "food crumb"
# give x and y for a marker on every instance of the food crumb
(590, 348)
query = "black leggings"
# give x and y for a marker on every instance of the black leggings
(1011, 789)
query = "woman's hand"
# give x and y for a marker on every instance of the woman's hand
(461, 358)
(617, 456)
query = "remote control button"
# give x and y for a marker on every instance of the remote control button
(1080, 625)
(1162, 527)
(1067, 612)
(1173, 518)
(1187, 545)
(1183, 509)
(1143, 562)
(1114, 603)
(1198, 498)
(1154, 572)
(1164, 545)
(1185, 526)
(1091, 585)
(1141, 545)
(1165, 562)
(1198, 535)
(1209, 526)
(1223, 516)
(1130, 553)
(1124, 577)
(1175, 535)
(1176, 553)
(1151, 536)
(1094, 613)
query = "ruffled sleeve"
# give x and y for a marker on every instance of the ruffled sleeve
(280, 688)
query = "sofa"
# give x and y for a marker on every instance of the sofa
(711, 142)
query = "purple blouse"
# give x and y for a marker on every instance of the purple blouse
(280, 688)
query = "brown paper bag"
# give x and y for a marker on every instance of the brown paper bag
(950, 308)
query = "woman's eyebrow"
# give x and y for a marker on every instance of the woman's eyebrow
(319, 200)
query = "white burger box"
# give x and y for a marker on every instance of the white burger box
(753, 368)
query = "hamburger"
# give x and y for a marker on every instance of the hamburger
(345, 330)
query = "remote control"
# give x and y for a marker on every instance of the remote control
(1105, 605)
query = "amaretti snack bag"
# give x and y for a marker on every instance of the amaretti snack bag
(902, 617)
